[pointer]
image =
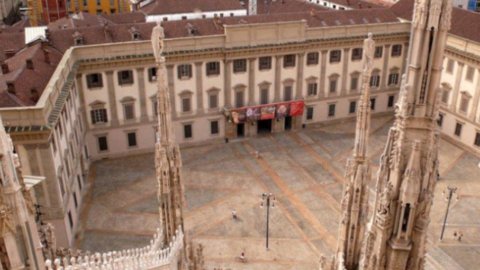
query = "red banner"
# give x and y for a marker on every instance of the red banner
(296, 108)
(267, 111)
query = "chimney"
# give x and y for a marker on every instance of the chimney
(11, 88)
(29, 64)
(46, 56)
(9, 53)
(5, 69)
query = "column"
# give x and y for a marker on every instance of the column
(405, 55)
(111, 99)
(456, 86)
(171, 90)
(278, 75)
(199, 86)
(142, 94)
(323, 72)
(300, 65)
(251, 81)
(476, 98)
(227, 83)
(80, 90)
(386, 58)
(344, 76)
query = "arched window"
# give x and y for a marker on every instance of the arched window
(406, 215)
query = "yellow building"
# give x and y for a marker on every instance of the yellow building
(98, 6)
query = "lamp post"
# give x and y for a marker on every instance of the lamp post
(269, 200)
(451, 191)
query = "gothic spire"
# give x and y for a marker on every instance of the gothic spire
(355, 197)
(408, 168)
(167, 153)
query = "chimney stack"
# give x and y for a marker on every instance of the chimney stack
(5, 69)
(29, 64)
(46, 56)
(10, 88)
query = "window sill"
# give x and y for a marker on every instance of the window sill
(237, 72)
(95, 87)
(185, 78)
(125, 84)
(312, 64)
(213, 75)
(289, 67)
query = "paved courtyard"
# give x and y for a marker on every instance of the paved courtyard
(304, 169)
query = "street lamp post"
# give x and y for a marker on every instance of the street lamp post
(269, 200)
(451, 191)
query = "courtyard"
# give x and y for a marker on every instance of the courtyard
(303, 169)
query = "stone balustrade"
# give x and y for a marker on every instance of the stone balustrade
(150, 257)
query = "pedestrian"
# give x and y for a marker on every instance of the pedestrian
(234, 214)
(257, 154)
(242, 257)
(459, 237)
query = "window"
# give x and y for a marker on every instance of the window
(396, 50)
(213, 127)
(440, 119)
(312, 89)
(464, 102)
(102, 143)
(354, 83)
(70, 219)
(333, 85)
(391, 100)
(393, 79)
(312, 58)
(239, 65)
(450, 66)
(309, 113)
(152, 74)
(212, 101)
(445, 95)
(458, 129)
(353, 107)
(289, 60)
(357, 54)
(378, 52)
(239, 99)
(186, 104)
(264, 96)
(128, 111)
(213, 68)
(79, 182)
(372, 103)
(470, 73)
(61, 184)
(75, 202)
(375, 80)
(331, 110)
(287, 93)
(335, 56)
(477, 139)
(265, 63)
(98, 116)
(132, 139)
(125, 77)
(184, 71)
(94, 80)
(187, 131)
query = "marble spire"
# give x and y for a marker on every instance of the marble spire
(407, 174)
(168, 161)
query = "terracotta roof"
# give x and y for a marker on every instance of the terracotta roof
(465, 23)
(357, 4)
(26, 80)
(13, 41)
(81, 19)
(285, 6)
(158, 7)
(121, 18)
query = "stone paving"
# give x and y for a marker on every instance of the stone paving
(304, 169)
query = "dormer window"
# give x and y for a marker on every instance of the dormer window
(191, 30)
(135, 33)
(78, 39)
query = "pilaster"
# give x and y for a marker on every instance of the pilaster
(300, 66)
(199, 86)
(171, 89)
(405, 56)
(386, 58)
(112, 99)
(142, 93)
(323, 74)
(456, 87)
(346, 59)
(227, 83)
(278, 77)
(251, 81)
(476, 98)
